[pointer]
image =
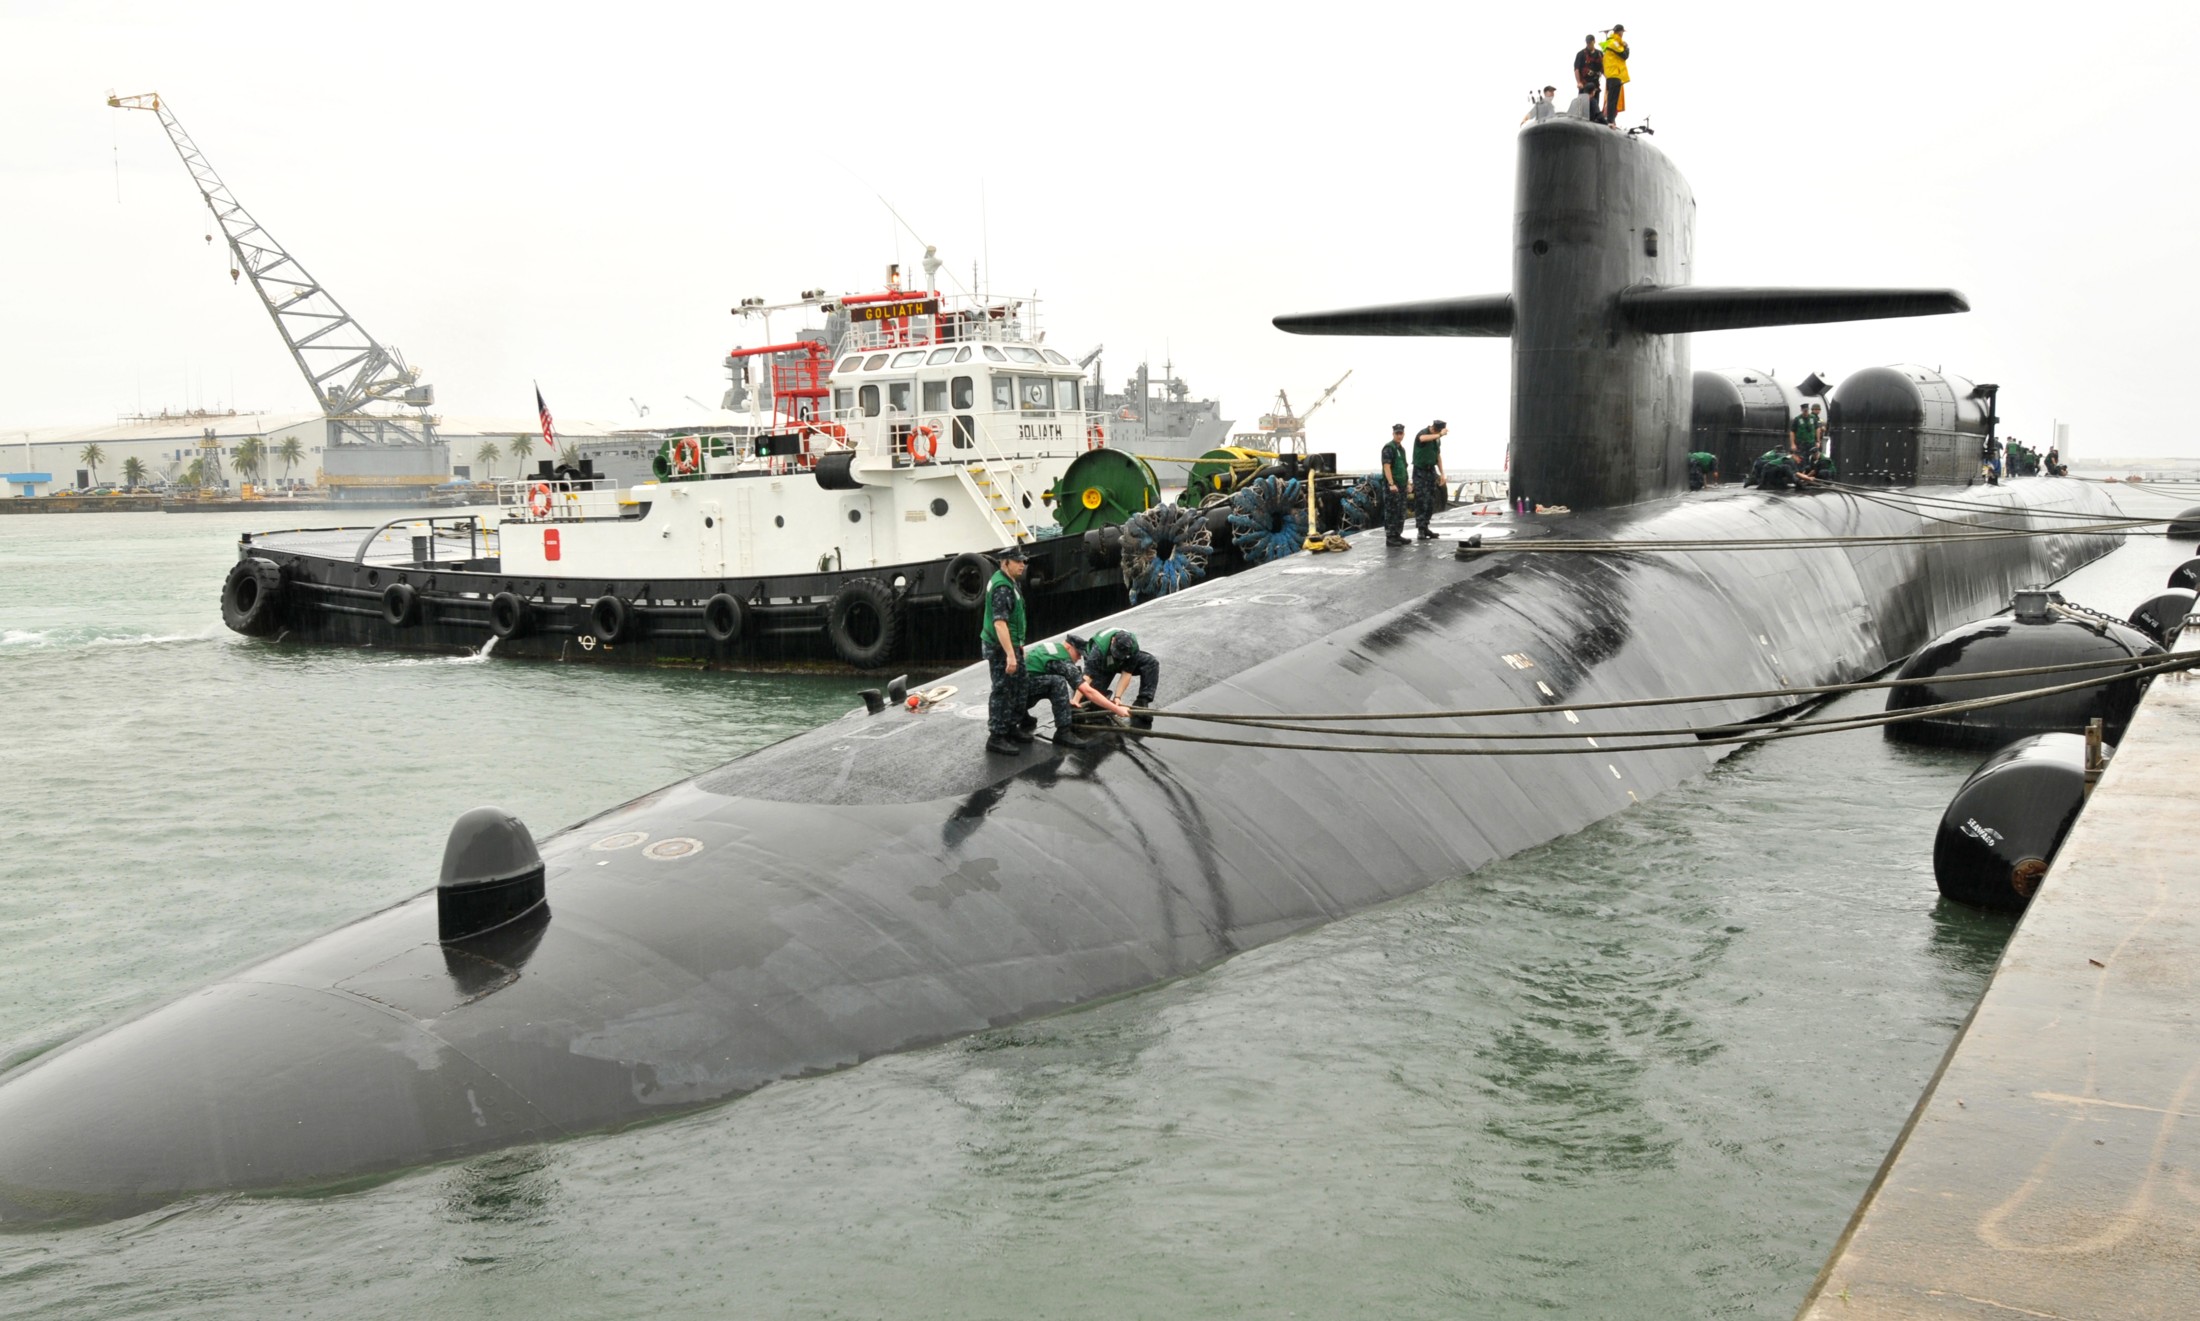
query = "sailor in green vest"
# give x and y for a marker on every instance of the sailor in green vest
(1053, 672)
(1428, 474)
(1702, 468)
(1395, 486)
(1805, 430)
(1001, 638)
(1115, 651)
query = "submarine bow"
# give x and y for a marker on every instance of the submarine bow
(1603, 241)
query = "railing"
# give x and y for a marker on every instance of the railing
(425, 540)
(555, 500)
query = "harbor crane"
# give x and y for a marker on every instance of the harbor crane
(359, 384)
(1286, 429)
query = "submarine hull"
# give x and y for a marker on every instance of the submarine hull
(882, 883)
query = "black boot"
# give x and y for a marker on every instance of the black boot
(1141, 718)
(1003, 744)
(1396, 541)
(1069, 738)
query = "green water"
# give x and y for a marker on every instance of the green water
(1644, 1071)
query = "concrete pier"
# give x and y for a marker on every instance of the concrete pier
(2052, 1168)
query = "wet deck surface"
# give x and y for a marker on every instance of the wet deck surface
(2053, 1168)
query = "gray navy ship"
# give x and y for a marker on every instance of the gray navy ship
(1157, 419)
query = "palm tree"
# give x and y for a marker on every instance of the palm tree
(133, 472)
(195, 475)
(290, 451)
(523, 448)
(91, 456)
(251, 451)
(487, 455)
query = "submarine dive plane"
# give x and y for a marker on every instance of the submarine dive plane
(881, 883)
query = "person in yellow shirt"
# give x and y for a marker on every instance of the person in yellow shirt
(1615, 73)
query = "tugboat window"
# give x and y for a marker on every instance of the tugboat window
(963, 432)
(939, 356)
(1004, 394)
(966, 394)
(851, 364)
(1649, 243)
(1036, 393)
(939, 509)
(1056, 358)
(993, 353)
(1065, 396)
(1019, 354)
(855, 515)
(779, 520)
(899, 394)
(844, 401)
(962, 355)
(876, 361)
(869, 394)
(909, 359)
(935, 396)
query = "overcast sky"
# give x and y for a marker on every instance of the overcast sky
(578, 194)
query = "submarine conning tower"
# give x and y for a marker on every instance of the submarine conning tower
(1601, 303)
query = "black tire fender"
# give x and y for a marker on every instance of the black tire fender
(509, 615)
(610, 618)
(723, 618)
(863, 622)
(252, 596)
(967, 573)
(400, 605)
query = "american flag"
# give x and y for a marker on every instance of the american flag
(549, 430)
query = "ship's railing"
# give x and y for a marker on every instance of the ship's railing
(929, 332)
(556, 499)
(424, 542)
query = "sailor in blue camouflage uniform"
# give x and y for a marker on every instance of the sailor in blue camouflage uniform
(1395, 486)
(1001, 638)
(1428, 474)
(1115, 651)
(1055, 672)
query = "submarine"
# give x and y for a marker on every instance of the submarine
(882, 883)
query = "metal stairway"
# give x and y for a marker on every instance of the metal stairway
(1004, 510)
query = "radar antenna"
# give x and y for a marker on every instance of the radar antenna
(347, 369)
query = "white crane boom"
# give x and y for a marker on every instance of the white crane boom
(349, 371)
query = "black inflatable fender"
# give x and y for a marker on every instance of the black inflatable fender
(2162, 616)
(2186, 575)
(2003, 827)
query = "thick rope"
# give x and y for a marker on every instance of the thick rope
(1773, 733)
(1556, 706)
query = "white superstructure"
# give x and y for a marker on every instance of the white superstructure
(928, 431)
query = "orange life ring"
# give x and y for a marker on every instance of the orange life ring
(538, 499)
(687, 454)
(931, 444)
(1095, 437)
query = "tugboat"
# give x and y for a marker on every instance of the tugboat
(912, 437)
